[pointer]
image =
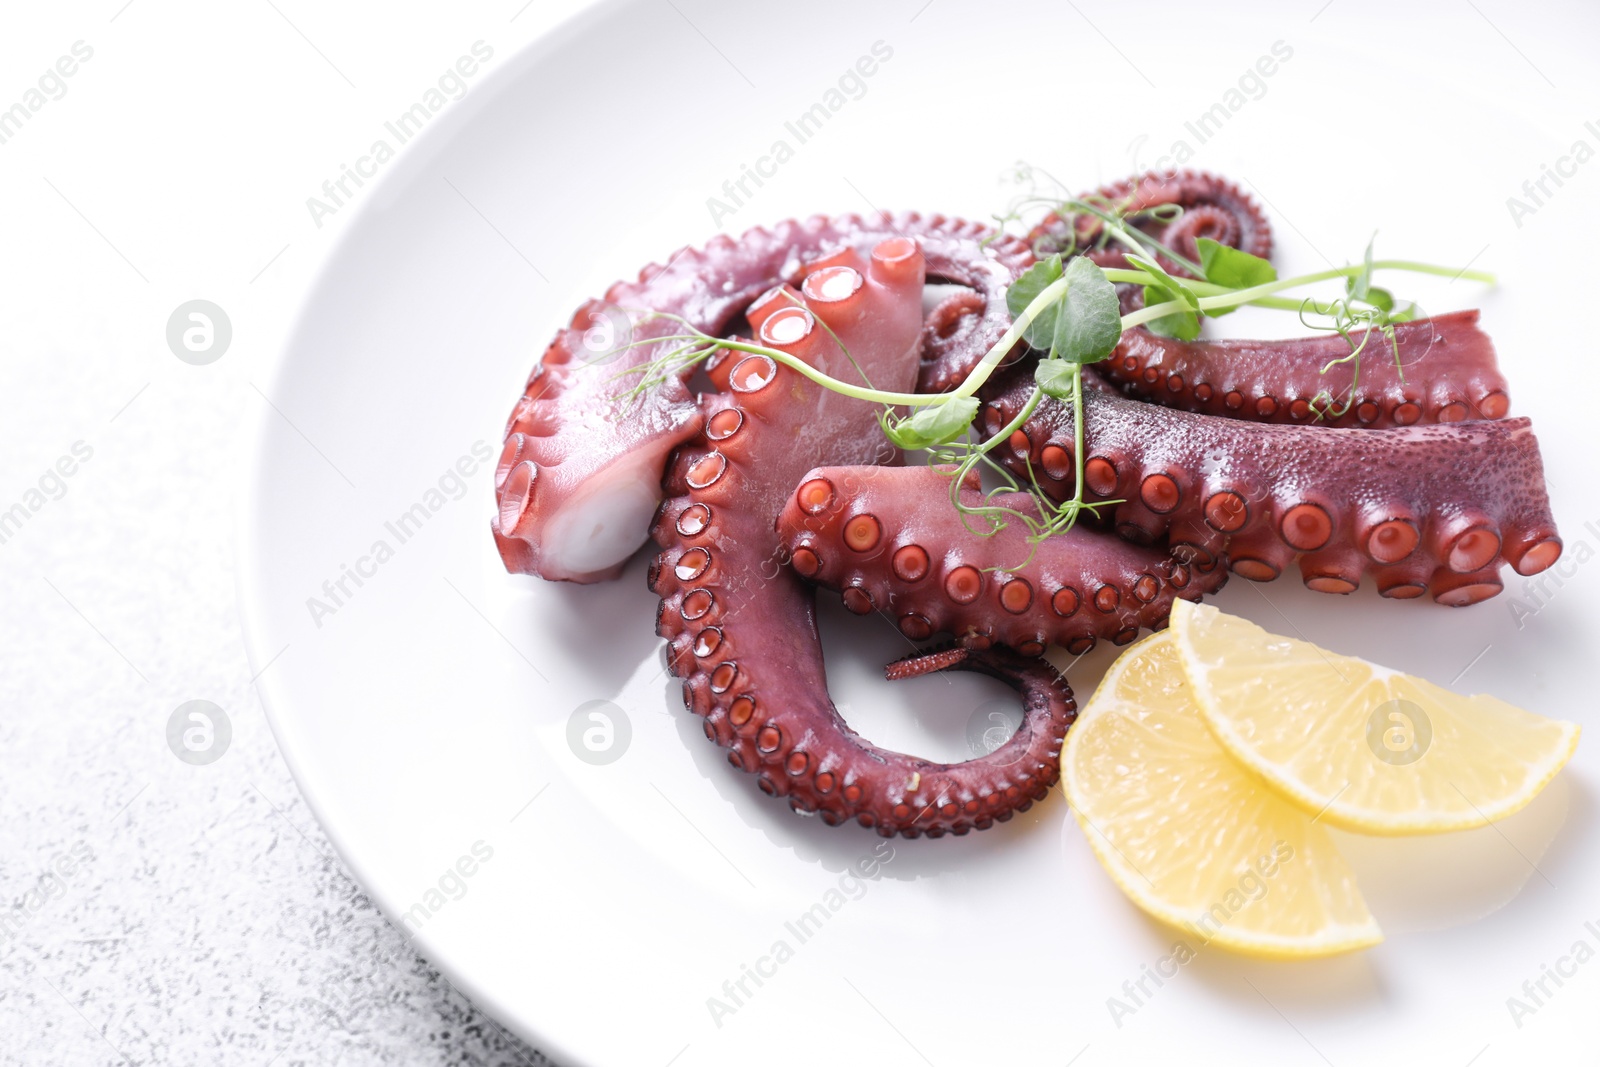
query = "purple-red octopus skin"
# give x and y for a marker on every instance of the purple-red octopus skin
(1446, 372)
(741, 627)
(1212, 207)
(580, 470)
(890, 540)
(1423, 509)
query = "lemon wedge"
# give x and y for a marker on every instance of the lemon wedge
(1190, 835)
(1363, 747)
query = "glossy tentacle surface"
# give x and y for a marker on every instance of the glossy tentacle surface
(969, 268)
(1212, 207)
(889, 540)
(580, 468)
(1446, 372)
(741, 626)
(1433, 509)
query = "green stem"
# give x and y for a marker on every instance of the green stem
(1235, 297)
(1005, 432)
(877, 396)
(1143, 244)
(1211, 297)
(1152, 312)
(1214, 296)
(1199, 288)
(974, 380)
(1077, 437)
(991, 359)
(1432, 268)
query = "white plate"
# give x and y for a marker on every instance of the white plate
(426, 716)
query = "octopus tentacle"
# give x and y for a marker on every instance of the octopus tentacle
(888, 539)
(928, 661)
(969, 268)
(741, 627)
(1213, 207)
(1438, 506)
(580, 469)
(1446, 372)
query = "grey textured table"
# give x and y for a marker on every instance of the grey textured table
(156, 911)
(160, 912)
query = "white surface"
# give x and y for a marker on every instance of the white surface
(209, 929)
(214, 924)
(431, 710)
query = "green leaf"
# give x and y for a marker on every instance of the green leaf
(1225, 265)
(1357, 284)
(1381, 299)
(1163, 280)
(1057, 377)
(1089, 316)
(1022, 292)
(1237, 269)
(936, 424)
(1084, 325)
(1183, 324)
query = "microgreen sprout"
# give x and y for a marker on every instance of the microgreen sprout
(1066, 307)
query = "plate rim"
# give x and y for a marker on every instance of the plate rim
(249, 500)
(248, 507)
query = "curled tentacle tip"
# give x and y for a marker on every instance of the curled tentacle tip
(925, 663)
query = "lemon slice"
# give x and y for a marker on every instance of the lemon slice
(1364, 747)
(1190, 835)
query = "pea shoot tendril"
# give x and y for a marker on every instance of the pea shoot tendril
(1066, 307)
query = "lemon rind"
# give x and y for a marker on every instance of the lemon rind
(1356, 818)
(1334, 939)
